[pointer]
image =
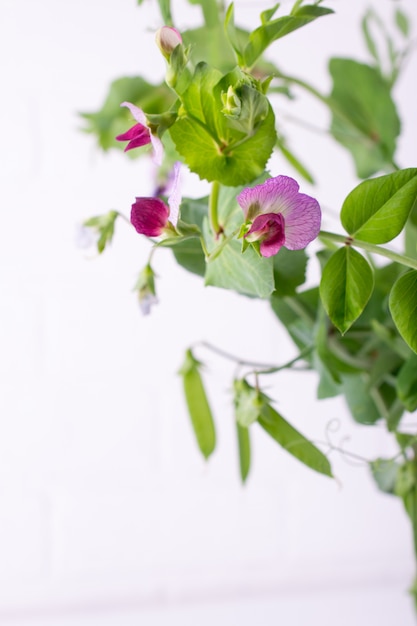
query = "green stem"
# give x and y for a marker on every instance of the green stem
(216, 251)
(213, 208)
(370, 247)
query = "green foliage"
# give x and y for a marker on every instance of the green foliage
(293, 441)
(103, 225)
(248, 50)
(377, 209)
(289, 267)
(385, 474)
(198, 406)
(189, 253)
(403, 307)
(346, 286)
(243, 439)
(245, 273)
(365, 119)
(214, 146)
(407, 383)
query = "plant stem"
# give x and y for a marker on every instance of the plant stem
(370, 247)
(213, 208)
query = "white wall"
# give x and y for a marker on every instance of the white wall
(108, 515)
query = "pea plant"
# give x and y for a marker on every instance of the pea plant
(214, 115)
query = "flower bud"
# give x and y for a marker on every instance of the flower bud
(167, 39)
(145, 288)
(232, 105)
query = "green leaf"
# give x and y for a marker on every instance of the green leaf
(403, 307)
(246, 273)
(407, 384)
(103, 225)
(289, 270)
(385, 472)
(369, 40)
(189, 253)
(165, 9)
(198, 406)
(402, 22)
(210, 143)
(293, 441)
(377, 209)
(244, 451)
(346, 286)
(365, 119)
(271, 30)
(359, 400)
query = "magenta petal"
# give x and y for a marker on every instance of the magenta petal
(137, 136)
(149, 216)
(269, 229)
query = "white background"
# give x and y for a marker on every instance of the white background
(108, 514)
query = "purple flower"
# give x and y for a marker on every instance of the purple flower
(140, 134)
(278, 215)
(151, 216)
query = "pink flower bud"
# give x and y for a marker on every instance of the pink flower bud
(167, 39)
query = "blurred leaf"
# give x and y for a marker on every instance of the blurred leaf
(103, 225)
(289, 270)
(402, 22)
(244, 451)
(346, 286)
(294, 161)
(407, 384)
(293, 441)
(377, 209)
(359, 400)
(403, 307)
(365, 119)
(211, 46)
(198, 406)
(384, 472)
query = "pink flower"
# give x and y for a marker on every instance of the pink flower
(278, 215)
(167, 39)
(152, 217)
(140, 134)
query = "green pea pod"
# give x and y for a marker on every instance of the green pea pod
(198, 406)
(244, 450)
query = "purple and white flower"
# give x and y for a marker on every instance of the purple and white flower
(278, 215)
(140, 134)
(151, 216)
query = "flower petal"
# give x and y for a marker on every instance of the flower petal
(272, 196)
(149, 216)
(302, 222)
(137, 113)
(269, 229)
(174, 199)
(137, 136)
(158, 149)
